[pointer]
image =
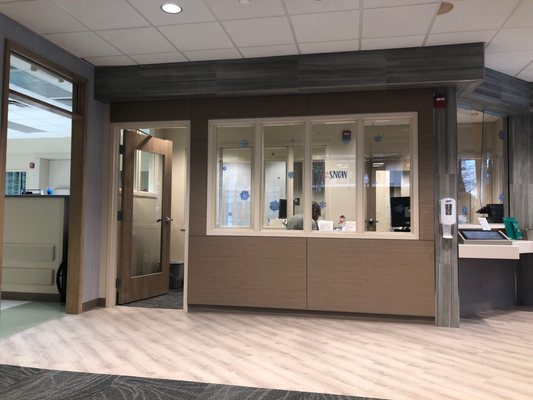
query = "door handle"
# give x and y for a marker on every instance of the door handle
(165, 220)
(371, 221)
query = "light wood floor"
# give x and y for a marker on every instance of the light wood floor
(489, 358)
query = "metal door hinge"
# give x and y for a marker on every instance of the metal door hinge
(118, 283)
(119, 215)
(121, 149)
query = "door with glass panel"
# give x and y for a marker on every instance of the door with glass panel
(145, 229)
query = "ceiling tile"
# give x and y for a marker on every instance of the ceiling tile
(103, 14)
(508, 60)
(83, 44)
(42, 17)
(138, 40)
(523, 16)
(158, 58)
(512, 40)
(393, 42)
(110, 61)
(201, 36)
(308, 7)
(220, 54)
(474, 15)
(395, 3)
(436, 39)
(398, 21)
(315, 27)
(259, 32)
(193, 11)
(510, 72)
(329, 47)
(232, 9)
(527, 74)
(269, 51)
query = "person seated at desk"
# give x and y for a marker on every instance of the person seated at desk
(296, 222)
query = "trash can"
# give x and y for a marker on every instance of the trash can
(176, 274)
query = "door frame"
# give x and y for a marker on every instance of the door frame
(110, 238)
(78, 169)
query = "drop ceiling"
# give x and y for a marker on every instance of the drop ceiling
(132, 32)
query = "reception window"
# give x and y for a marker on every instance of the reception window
(342, 176)
(481, 166)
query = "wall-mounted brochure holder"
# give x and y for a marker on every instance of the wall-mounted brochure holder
(512, 228)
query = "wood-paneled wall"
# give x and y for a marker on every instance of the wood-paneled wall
(357, 70)
(391, 276)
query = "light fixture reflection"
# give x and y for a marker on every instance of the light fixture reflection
(171, 8)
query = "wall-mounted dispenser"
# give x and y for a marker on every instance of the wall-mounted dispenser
(447, 216)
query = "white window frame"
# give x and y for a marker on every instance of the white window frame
(257, 197)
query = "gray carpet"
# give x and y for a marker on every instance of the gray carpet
(173, 300)
(19, 383)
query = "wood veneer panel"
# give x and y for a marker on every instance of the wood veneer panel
(371, 276)
(247, 272)
(198, 177)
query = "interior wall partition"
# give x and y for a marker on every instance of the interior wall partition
(390, 277)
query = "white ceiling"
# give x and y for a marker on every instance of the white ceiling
(131, 32)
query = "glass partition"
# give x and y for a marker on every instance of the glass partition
(234, 147)
(282, 169)
(334, 174)
(387, 175)
(480, 153)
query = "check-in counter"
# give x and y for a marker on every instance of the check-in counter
(35, 232)
(491, 273)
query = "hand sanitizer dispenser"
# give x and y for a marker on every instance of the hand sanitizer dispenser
(448, 216)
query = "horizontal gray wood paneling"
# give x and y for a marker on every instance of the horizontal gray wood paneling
(377, 69)
(498, 93)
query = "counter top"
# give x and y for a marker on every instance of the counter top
(501, 252)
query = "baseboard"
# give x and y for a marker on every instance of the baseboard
(313, 313)
(23, 296)
(92, 304)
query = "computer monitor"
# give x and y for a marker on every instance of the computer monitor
(400, 210)
(282, 213)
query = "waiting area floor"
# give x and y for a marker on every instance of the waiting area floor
(17, 316)
(487, 358)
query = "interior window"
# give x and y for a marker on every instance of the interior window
(387, 175)
(334, 174)
(234, 146)
(480, 153)
(283, 169)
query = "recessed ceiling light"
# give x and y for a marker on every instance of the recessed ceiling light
(171, 8)
(244, 1)
(445, 8)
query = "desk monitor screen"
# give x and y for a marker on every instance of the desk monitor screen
(400, 209)
(282, 213)
(482, 235)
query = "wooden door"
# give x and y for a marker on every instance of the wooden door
(145, 230)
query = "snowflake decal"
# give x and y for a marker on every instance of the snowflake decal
(274, 205)
(501, 197)
(501, 135)
(378, 138)
(464, 211)
(244, 144)
(323, 204)
(224, 168)
(244, 195)
(291, 174)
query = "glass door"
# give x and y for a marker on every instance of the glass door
(145, 230)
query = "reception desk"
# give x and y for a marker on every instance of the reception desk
(494, 276)
(35, 230)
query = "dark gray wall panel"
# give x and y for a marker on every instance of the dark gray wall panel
(258, 75)
(498, 93)
(486, 284)
(362, 70)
